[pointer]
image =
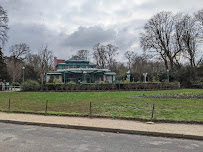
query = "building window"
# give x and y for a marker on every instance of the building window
(78, 66)
(51, 77)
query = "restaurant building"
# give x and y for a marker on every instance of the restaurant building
(76, 70)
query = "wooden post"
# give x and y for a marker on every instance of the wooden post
(9, 105)
(152, 112)
(46, 107)
(90, 109)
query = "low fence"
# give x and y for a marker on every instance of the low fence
(141, 111)
(104, 87)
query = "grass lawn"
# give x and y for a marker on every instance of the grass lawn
(114, 104)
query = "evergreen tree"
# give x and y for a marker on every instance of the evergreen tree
(3, 68)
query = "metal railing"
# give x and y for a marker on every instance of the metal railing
(10, 88)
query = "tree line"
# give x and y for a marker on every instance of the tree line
(169, 41)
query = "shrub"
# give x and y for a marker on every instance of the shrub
(126, 81)
(50, 81)
(56, 81)
(71, 82)
(102, 82)
(30, 85)
(15, 84)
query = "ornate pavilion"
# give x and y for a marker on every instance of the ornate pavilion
(78, 71)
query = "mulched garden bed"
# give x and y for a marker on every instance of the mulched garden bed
(172, 96)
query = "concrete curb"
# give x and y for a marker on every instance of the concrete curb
(108, 117)
(111, 130)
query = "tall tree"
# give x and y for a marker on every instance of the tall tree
(199, 18)
(129, 55)
(157, 37)
(18, 53)
(99, 55)
(32, 66)
(33, 60)
(83, 54)
(3, 68)
(105, 54)
(190, 38)
(3, 26)
(46, 60)
(3, 39)
(111, 52)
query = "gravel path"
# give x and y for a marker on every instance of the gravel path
(185, 129)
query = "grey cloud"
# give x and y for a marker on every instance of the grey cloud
(52, 22)
(34, 35)
(88, 37)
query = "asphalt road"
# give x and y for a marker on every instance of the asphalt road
(20, 138)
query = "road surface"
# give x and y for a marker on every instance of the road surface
(21, 138)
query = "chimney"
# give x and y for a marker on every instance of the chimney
(55, 63)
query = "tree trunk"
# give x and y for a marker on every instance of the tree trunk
(42, 78)
(14, 71)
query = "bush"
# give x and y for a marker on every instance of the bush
(56, 81)
(30, 85)
(71, 82)
(50, 81)
(102, 82)
(126, 81)
(15, 84)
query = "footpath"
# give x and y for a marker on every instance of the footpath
(172, 130)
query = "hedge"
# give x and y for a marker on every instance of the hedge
(103, 87)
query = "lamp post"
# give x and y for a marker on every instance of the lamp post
(23, 68)
(84, 73)
(145, 77)
(128, 74)
(168, 74)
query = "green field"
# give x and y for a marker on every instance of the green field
(113, 104)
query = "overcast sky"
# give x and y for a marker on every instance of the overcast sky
(69, 25)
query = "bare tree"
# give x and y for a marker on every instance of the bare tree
(157, 37)
(199, 18)
(33, 60)
(143, 63)
(99, 55)
(18, 53)
(129, 55)
(3, 39)
(3, 25)
(83, 54)
(111, 52)
(190, 38)
(104, 55)
(32, 66)
(172, 37)
(46, 60)
(177, 38)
